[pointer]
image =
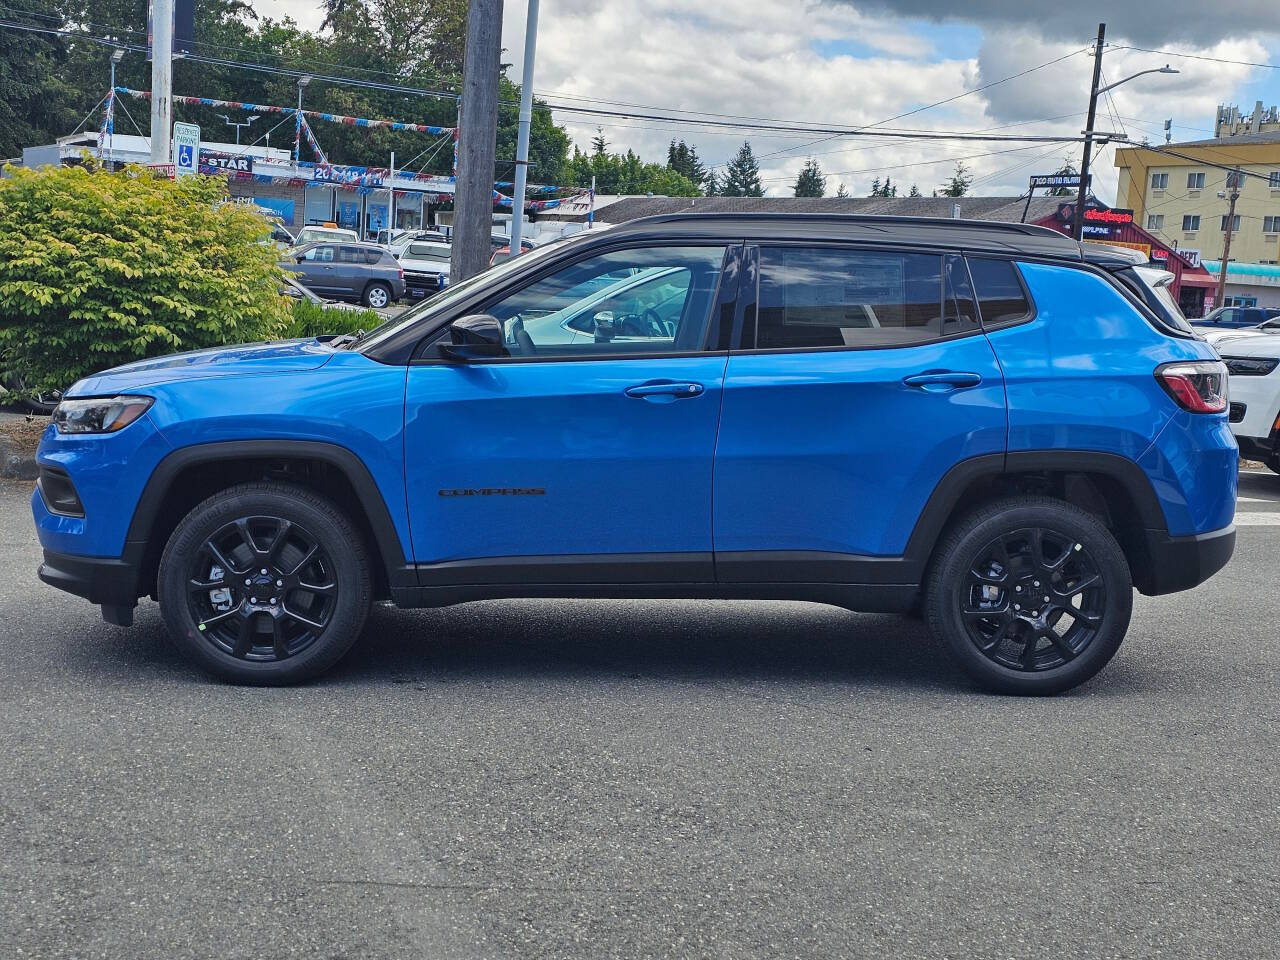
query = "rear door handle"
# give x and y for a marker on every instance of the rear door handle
(664, 390)
(942, 379)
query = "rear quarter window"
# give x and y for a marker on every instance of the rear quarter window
(1002, 299)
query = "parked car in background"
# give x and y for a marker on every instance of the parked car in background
(426, 266)
(363, 272)
(888, 414)
(282, 238)
(1218, 337)
(1253, 364)
(317, 234)
(408, 236)
(1228, 318)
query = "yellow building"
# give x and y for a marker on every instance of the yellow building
(1183, 199)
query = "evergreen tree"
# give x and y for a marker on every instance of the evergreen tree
(888, 190)
(811, 182)
(960, 182)
(712, 188)
(742, 177)
(598, 143)
(915, 191)
(626, 173)
(842, 190)
(875, 188)
(1068, 169)
(683, 159)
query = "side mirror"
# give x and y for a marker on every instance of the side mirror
(474, 337)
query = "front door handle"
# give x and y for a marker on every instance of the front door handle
(664, 391)
(942, 380)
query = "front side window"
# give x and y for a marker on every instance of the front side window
(627, 302)
(816, 297)
(1001, 298)
(319, 255)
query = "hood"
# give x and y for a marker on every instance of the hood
(1249, 345)
(282, 356)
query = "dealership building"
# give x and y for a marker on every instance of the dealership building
(295, 193)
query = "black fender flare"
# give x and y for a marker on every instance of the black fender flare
(386, 538)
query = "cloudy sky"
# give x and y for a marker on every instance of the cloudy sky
(862, 62)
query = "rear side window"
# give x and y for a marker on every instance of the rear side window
(817, 297)
(1001, 297)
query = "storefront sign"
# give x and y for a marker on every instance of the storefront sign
(275, 207)
(1051, 180)
(1096, 230)
(1144, 247)
(358, 176)
(214, 162)
(1096, 215)
(1191, 256)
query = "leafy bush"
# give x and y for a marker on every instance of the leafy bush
(316, 319)
(99, 269)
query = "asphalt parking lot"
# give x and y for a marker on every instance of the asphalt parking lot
(642, 779)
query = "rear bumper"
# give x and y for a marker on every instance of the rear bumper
(1180, 563)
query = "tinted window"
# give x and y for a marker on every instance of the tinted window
(1001, 298)
(646, 300)
(847, 298)
(352, 255)
(959, 310)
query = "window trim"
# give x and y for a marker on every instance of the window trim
(732, 251)
(750, 325)
(1032, 311)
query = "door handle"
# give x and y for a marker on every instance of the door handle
(665, 390)
(942, 379)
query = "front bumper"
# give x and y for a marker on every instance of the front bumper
(1180, 563)
(109, 581)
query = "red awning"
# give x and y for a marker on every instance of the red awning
(1192, 279)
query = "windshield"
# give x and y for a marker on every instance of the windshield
(451, 295)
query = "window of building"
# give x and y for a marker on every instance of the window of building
(1155, 221)
(1271, 224)
(1274, 180)
(1001, 298)
(1235, 223)
(1159, 181)
(816, 297)
(1191, 221)
(1195, 181)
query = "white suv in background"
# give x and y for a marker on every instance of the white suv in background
(1253, 362)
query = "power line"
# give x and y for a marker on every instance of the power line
(1196, 56)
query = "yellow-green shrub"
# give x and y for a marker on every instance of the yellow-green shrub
(98, 269)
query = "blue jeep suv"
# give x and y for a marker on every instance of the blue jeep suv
(970, 420)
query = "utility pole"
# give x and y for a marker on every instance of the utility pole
(1233, 185)
(161, 80)
(116, 57)
(391, 198)
(477, 142)
(1077, 227)
(522, 138)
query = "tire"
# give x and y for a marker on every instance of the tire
(1273, 462)
(286, 625)
(377, 295)
(40, 403)
(1019, 626)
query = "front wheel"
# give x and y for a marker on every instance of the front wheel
(265, 583)
(377, 295)
(1031, 595)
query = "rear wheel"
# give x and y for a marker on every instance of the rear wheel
(377, 295)
(265, 583)
(1030, 594)
(1274, 462)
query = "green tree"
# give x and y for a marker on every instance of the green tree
(960, 182)
(1068, 169)
(875, 188)
(842, 190)
(99, 269)
(742, 175)
(683, 159)
(626, 173)
(36, 101)
(810, 182)
(915, 191)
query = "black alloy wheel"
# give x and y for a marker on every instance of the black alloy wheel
(265, 583)
(1030, 594)
(1033, 599)
(261, 588)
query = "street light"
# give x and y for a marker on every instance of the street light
(116, 57)
(232, 123)
(297, 136)
(1077, 228)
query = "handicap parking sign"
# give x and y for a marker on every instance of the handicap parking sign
(186, 148)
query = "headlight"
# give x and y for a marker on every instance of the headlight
(99, 414)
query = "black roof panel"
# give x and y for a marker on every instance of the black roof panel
(973, 235)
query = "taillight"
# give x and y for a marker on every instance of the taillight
(1199, 386)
